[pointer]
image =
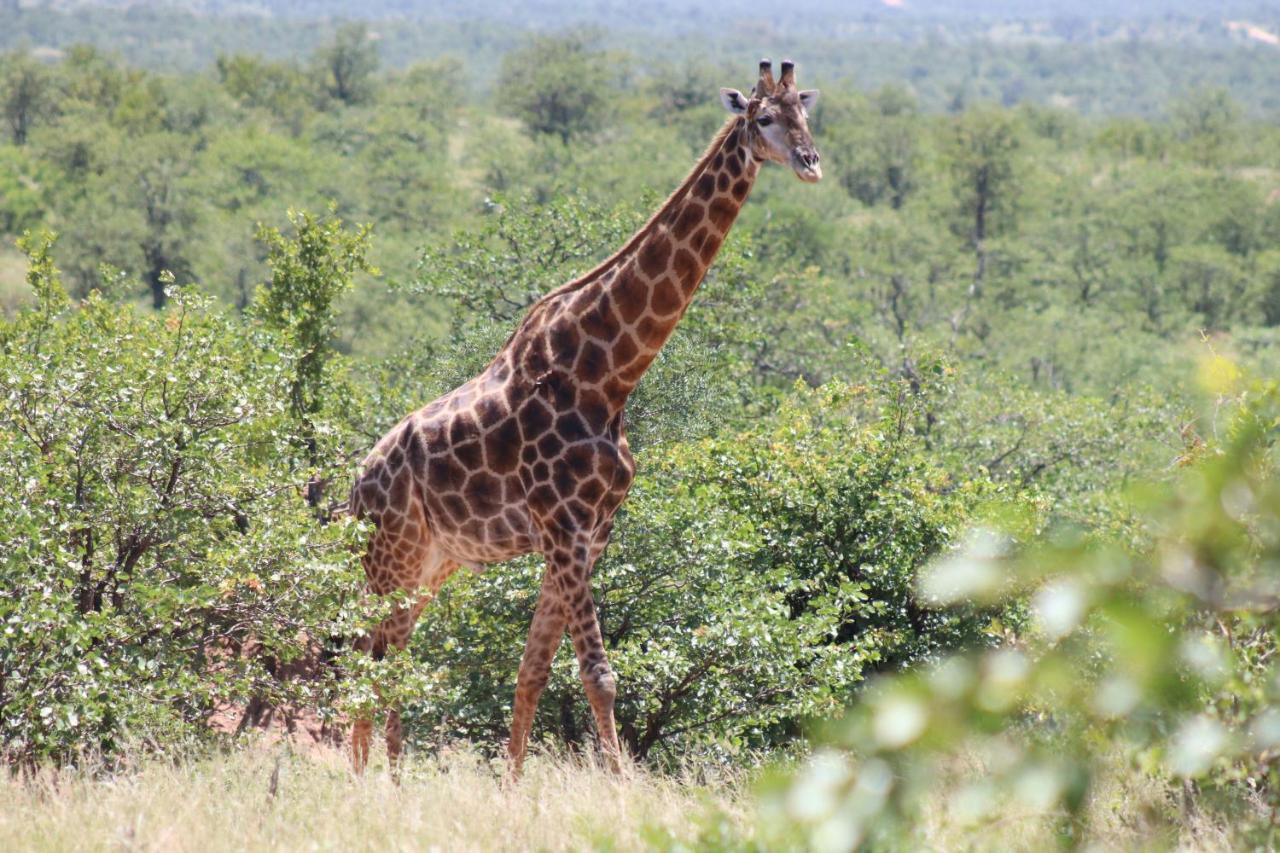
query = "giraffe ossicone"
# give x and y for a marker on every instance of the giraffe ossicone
(531, 454)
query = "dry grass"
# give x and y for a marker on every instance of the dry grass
(453, 802)
(459, 801)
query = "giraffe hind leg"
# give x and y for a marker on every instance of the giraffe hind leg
(545, 633)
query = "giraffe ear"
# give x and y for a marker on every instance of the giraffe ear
(808, 98)
(734, 101)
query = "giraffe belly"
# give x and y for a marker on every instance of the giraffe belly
(477, 544)
(436, 567)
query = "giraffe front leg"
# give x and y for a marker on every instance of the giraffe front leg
(361, 735)
(593, 665)
(395, 742)
(545, 632)
(391, 635)
(399, 627)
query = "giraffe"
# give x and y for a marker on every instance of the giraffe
(531, 454)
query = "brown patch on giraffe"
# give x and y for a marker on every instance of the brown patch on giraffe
(705, 187)
(563, 390)
(399, 495)
(601, 322)
(594, 408)
(542, 498)
(564, 341)
(535, 359)
(462, 429)
(395, 459)
(696, 241)
(740, 189)
(579, 301)
(515, 393)
(582, 514)
(722, 212)
(581, 459)
(417, 451)
(632, 297)
(469, 455)
(632, 374)
(686, 269)
(549, 446)
(563, 481)
(734, 165)
(710, 248)
(591, 490)
(571, 428)
(502, 447)
(444, 472)
(624, 350)
(496, 529)
(455, 506)
(666, 298)
(437, 438)
(490, 411)
(483, 492)
(593, 362)
(654, 253)
(692, 216)
(616, 389)
(650, 333)
(722, 182)
(535, 419)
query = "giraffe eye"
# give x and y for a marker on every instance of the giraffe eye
(764, 121)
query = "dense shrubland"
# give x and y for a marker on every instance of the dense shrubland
(153, 521)
(932, 444)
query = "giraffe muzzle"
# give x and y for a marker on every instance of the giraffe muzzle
(806, 164)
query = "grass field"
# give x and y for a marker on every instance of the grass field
(456, 801)
(459, 801)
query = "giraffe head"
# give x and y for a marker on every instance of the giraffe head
(777, 120)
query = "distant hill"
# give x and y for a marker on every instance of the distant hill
(799, 15)
(1096, 56)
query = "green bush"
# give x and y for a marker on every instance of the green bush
(157, 558)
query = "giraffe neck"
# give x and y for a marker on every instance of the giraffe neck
(627, 307)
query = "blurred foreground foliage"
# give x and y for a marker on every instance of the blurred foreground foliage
(1163, 656)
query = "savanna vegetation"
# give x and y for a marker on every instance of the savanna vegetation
(956, 521)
